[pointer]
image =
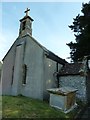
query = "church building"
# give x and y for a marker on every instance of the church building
(28, 67)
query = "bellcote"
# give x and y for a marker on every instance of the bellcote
(26, 24)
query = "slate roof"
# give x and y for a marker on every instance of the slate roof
(54, 57)
(70, 69)
(25, 18)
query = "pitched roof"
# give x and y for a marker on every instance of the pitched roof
(26, 18)
(48, 53)
(70, 69)
(56, 58)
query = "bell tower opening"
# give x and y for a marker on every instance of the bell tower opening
(23, 25)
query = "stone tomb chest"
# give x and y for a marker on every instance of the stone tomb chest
(63, 98)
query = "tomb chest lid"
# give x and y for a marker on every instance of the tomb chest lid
(62, 90)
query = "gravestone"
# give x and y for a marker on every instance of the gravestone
(63, 98)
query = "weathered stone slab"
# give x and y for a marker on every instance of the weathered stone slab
(63, 98)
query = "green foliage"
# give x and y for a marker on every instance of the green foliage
(81, 28)
(24, 107)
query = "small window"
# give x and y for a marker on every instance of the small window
(24, 74)
(23, 25)
(12, 75)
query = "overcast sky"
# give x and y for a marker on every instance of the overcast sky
(50, 25)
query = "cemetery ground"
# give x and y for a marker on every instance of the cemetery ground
(24, 107)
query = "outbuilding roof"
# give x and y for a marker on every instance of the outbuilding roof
(70, 69)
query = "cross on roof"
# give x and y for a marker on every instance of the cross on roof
(26, 11)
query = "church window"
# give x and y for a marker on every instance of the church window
(30, 25)
(24, 74)
(12, 74)
(57, 66)
(23, 25)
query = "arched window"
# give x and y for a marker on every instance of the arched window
(12, 75)
(24, 74)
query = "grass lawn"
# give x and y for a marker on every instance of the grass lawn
(24, 107)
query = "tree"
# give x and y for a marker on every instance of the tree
(81, 28)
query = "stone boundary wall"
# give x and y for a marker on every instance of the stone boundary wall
(77, 82)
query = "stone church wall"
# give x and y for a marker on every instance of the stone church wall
(40, 70)
(0, 70)
(50, 68)
(7, 71)
(33, 59)
(77, 82)
(17, 77)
